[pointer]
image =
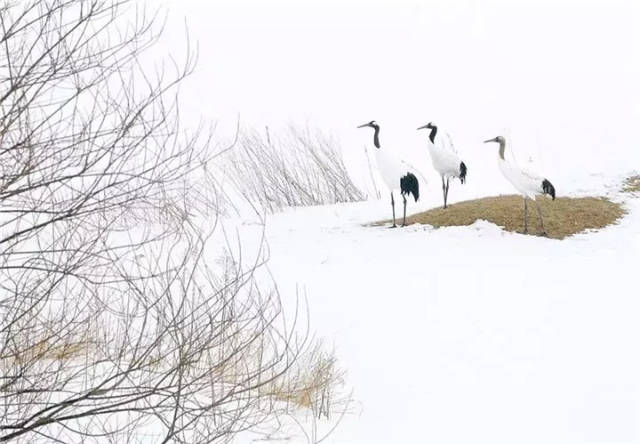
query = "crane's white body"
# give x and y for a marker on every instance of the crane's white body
(445, 162)
(527, 183)
(391, 168)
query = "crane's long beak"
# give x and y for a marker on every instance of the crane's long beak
(422, 127)
(495, 139)
(363, 125)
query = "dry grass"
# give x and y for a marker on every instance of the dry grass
(631, 184)
(316, 384)
(46, 350)
(563, 217)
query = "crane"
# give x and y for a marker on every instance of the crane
(445, 161)
(528, 184)
(394, 172)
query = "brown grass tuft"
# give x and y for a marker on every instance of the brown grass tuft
(563, 217)
(49, 350)
(315, 384)
(631, 184)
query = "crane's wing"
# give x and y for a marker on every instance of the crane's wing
(523, 180)
(530, 175)
(446, 143)
(393, 168)
(411, 169)
(444, 160)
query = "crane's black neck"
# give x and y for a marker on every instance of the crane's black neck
(376, 140)
(501, 149)
(432, 134)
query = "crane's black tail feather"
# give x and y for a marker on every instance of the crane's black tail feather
(409, 184)
(463, 172)
(547, 188)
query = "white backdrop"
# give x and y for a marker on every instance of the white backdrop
(560, 77)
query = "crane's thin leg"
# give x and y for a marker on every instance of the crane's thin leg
(393, 209)
(525, 216)
(444, 194)
(544, 231)
(404, 215)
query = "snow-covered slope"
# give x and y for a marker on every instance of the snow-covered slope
(465, 334)
(471, 334)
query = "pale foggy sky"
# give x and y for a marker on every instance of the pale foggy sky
(559, 76)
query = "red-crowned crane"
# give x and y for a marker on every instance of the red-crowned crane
(527, 183)
(445, 161)
(394, 172)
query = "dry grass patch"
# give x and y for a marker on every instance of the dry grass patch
(316, 384)
(48, 350)
(631, 184)
(563, 217)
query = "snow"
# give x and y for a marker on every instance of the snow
(463, 334)
(471, 334)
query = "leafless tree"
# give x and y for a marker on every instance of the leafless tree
(113, 327)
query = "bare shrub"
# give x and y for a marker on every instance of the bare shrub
(297, 168)
(113, 326)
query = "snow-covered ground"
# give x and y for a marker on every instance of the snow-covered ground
(471, 334)
(465, 334)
